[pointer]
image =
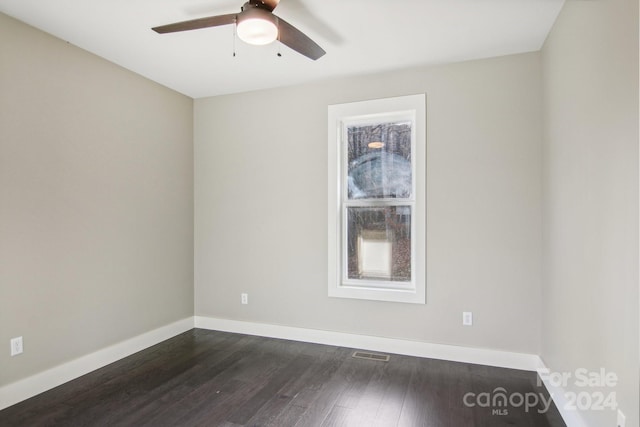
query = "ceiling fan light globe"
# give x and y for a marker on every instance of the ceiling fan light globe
(257, 31)
(257, 26)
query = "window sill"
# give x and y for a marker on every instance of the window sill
(413, 296)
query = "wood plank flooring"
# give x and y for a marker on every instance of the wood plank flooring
(209, 378)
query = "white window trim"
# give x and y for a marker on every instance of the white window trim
(340, 114)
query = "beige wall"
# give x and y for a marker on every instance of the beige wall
(96, 202)
(261, 206)
(590, 203)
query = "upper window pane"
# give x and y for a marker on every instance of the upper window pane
(379, 160)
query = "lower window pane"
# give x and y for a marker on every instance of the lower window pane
(379, 243)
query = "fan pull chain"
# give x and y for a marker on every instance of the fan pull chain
(278, 39)
(235, 24)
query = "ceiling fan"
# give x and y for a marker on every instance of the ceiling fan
(255, 24)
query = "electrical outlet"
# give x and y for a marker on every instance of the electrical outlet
(16, 346)
(244, 298)
(622, 420)
(467, 318)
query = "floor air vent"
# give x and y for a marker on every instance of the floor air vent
(371, 356)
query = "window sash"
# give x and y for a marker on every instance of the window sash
(370, 119)
(344, 253)
(346, 202)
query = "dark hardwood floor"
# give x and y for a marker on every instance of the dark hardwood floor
(208, 378)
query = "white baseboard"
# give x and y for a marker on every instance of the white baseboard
(503, 359)
(572, 418)
(38, 383)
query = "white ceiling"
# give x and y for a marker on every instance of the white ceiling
(360, 36)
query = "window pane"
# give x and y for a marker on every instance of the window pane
(379, 160)
(379, 243)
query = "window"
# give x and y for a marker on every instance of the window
(377, 191)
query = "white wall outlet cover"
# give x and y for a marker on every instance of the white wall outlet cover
(467, 318)
(16, 346)
(244, 298)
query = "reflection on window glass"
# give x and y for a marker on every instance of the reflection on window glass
(379, 243)
(379, 160)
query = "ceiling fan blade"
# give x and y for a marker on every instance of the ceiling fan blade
(267, 4)
(194, 24)
(298, 41)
